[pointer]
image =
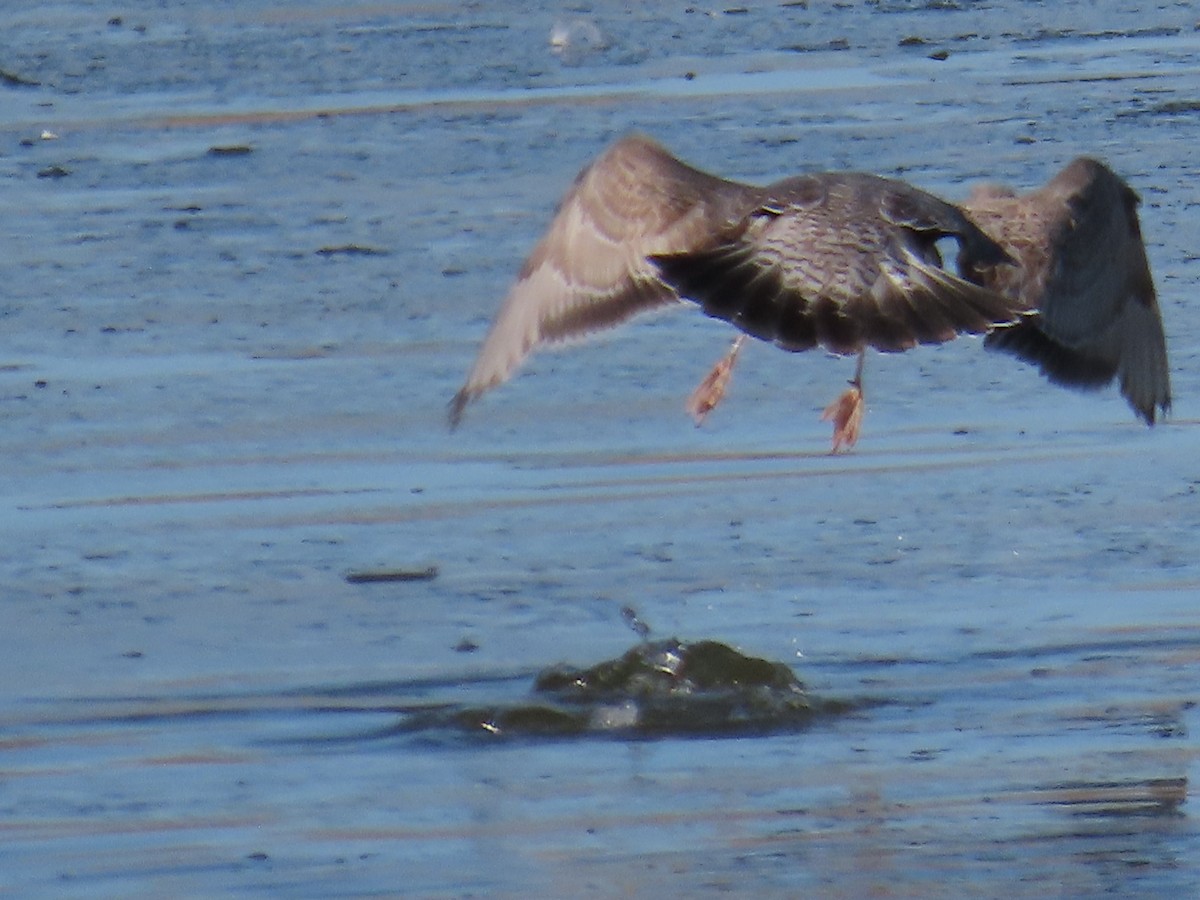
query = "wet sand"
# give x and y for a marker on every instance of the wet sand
(223, 379)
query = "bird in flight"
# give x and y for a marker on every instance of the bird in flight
(840, 260)
(1082, 266)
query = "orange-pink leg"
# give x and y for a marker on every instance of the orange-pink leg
(710, 391)
(846, 412)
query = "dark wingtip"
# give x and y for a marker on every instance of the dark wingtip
(1152, 415)
(1148, 415)
(454, 410)
(1164, 408)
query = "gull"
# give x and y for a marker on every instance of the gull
(1081, 264)
(839, 260)
(1081, 268)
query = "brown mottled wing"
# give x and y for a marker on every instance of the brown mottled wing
(590, 269)
(844, 260)
(1083, 265)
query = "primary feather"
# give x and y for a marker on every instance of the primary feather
(1082, 266)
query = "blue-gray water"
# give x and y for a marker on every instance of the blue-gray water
(212, 411)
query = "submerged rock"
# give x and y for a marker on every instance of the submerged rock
(657, 688)
(658, 669)
(672, 685)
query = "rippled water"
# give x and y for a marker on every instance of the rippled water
(223, 379)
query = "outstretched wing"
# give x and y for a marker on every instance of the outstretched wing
(844, 260)
(1083, 266)
(590, 269)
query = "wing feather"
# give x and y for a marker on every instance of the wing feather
(1083, 266)
(591, 270)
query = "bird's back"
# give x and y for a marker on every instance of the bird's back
(843, 260)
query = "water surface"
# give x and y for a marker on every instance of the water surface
(223, 380)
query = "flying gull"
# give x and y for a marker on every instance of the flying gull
(840, 260)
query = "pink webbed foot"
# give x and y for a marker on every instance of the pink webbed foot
(846, 413)
(712, 389)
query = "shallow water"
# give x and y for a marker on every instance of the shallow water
(223, 380)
